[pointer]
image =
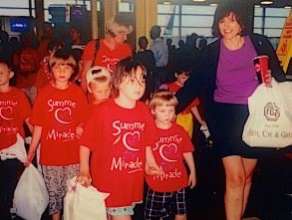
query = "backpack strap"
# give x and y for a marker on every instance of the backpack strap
(97, 45)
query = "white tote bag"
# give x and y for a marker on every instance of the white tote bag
(82, 203)
(269, 123)
(30, 196)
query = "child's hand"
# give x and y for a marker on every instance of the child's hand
(203, 123)
(79, 131)
(29, 159)
(153, 170)
(84, 179)
(27, 163)
(192, 180)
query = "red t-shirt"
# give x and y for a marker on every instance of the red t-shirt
(168, 152)
(174, 87)
(105, 56)
(59, 112)
(117, 138)
(25, 81)
(43, 76)
(14, 109)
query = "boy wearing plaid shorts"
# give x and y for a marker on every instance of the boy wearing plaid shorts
(166, 193)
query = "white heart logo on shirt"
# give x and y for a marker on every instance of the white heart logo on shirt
(63, 115)
(130, 139)
(5, 113)
(166, 150)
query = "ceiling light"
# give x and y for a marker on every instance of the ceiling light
(288, 7)
(213, 4)
(266, 2)
(257, 6)
(166, 2)
(199, 0)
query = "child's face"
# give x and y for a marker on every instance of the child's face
(164, 114)
(5, 74)
(182, 78)
(62, 72)
(100, 90)
(133, 87)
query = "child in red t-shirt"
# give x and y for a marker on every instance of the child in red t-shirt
(117, 138)
(26, 74)
(166, 193)
(14, 112)
(185, 118)
(98, 84)
(58, 113)
(44, 75)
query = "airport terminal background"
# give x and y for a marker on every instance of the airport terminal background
(271, 195)
(177, 18)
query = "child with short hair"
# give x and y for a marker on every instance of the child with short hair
(166, 193)
(44, 75)
(58, 114)
(98, 84)
(14, 112)
(185, 118)
(117, 139)
(108, 51)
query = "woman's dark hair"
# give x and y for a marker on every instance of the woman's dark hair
(223, 10)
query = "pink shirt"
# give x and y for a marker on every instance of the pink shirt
(236, 77)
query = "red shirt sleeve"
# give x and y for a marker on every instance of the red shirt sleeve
(91, 133)
(25, 106)
(186, 144)
(148, 138)
(196, 102)
(88, 51)
(128, 51)
(83, 107)
(38, 113)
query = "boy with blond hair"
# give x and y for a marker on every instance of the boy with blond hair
(166, 193)
(99, 84)
(185, 118)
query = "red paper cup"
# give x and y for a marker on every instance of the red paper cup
(261, 64)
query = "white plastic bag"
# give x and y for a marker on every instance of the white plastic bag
(269, 123)
(30, 196)
(82, 203)
(16, 150)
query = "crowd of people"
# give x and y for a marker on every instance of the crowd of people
(117, 118)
